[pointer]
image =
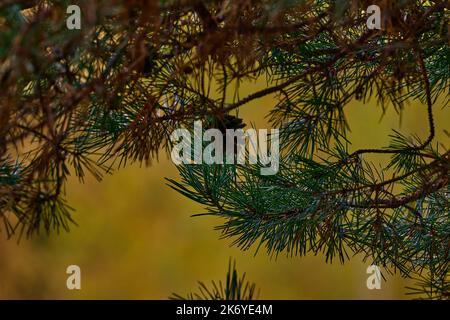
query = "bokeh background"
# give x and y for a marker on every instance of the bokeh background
(136, 238)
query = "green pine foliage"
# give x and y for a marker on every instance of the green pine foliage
(92, 100)
(234, 288)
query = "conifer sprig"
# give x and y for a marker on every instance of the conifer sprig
(73, 102)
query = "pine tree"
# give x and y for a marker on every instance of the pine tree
(95, 99)
(235, 288)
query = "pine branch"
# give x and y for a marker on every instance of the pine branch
(235, 288)
(112, 93)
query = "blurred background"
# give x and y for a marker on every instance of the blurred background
(136, 238)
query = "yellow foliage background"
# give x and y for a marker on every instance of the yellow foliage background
(137, 240)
